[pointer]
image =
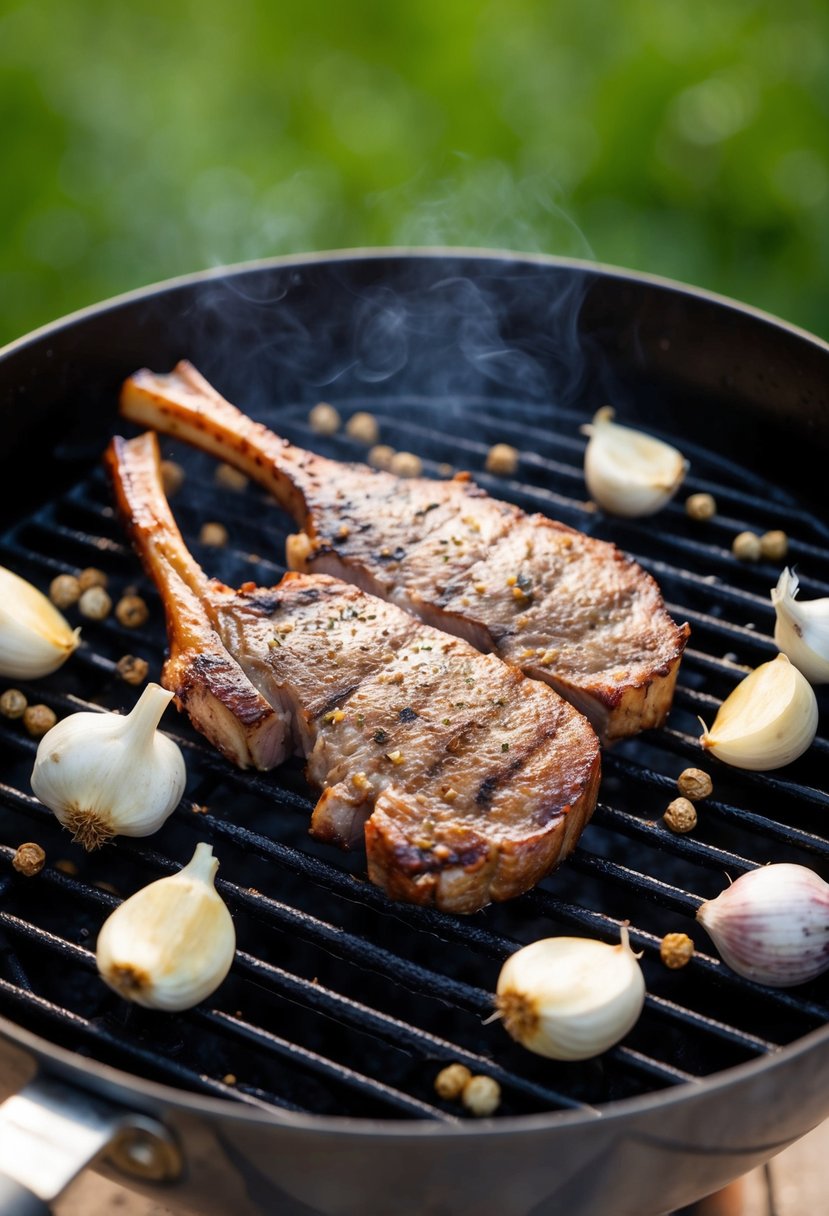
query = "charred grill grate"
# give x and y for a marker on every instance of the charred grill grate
(341, 1002)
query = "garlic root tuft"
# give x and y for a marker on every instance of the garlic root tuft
(87, 827)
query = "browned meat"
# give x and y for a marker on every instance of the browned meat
(566, 608)
(468, 782)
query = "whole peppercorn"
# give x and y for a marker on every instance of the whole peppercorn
(774, 545)
(131, 611)
(363, 426)
(324, 419)
(676, 950)
(13, 703)
(38, 719)
(502, 459)
(95, 603)
(380, 456)
(406, 464)
(64, 590)
(172, 477)
(230, 478)
(452, 1080)
(680, 815)
(213, 534)
(481, 1096)
(131, 669)
(746, 547)
(28, 859)
(694, 783)
(701, 506)
(92, 577)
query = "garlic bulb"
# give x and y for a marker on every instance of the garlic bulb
(768, 720)
(627, 472)
(34, 638)
(772, 925)
(802, 629)
(106, 774)
(170, 944)
(570, 998)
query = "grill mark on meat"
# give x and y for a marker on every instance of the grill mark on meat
(485, 791)
(395, 759)
(431, 546)
(336, 699)
(264, 601)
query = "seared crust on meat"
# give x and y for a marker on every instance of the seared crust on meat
(570, 610)
(207, 682)
(467, 781)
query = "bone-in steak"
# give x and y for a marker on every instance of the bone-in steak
(468, 781)
(568, 609)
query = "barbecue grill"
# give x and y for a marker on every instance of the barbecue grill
(306, 1083)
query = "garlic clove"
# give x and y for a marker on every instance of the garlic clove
(801, 630)
(772, 925)
(628, 472)
(107, 774)
(172, 943)
(570, 998)
(35, 639)
(769, 719)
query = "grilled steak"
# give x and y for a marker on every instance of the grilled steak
(566, 608)
(467, 781)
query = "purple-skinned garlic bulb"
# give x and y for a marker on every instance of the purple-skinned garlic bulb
(772, 925)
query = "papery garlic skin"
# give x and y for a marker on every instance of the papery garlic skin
(570, 998)
(801, 630)
(172, 943)
(769, 719)
(35, 639)
(106, 774)
(772, 925)
(628, 472)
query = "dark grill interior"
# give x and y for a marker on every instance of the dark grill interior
(341, 1002)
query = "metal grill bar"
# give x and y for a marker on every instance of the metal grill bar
(445, 965)
(128, 1054)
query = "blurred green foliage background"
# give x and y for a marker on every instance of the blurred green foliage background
(152, 138)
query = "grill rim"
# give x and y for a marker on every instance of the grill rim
(421, 253)
(126, 1086)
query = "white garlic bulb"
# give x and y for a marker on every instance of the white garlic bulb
(172, 943)
(802, 629)
(769, 719)
(772, 925)
(106, 774)
(628, 472)
(34, 637)
(570, 998)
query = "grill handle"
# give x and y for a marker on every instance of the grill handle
(17, 1200)
(50, 1132)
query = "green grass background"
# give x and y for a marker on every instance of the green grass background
(146, 139)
